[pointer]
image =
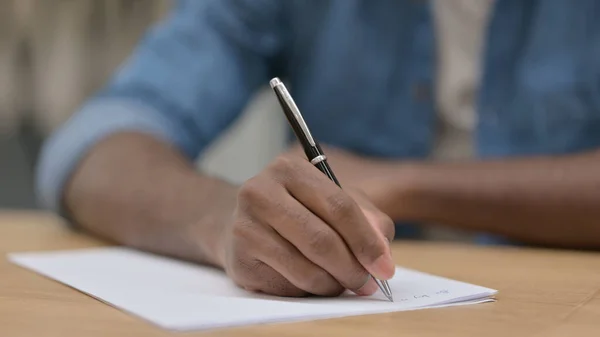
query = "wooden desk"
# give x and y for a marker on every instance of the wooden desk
(542, 293)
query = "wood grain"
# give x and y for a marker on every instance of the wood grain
(542, 293)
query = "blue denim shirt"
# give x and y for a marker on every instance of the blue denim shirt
(362, 72)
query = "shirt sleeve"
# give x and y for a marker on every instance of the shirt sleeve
(188, 79)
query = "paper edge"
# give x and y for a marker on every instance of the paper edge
(275, 321)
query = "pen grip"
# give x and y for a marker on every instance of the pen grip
(315, 151)
(324, 167)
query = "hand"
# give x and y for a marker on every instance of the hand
(294, 232)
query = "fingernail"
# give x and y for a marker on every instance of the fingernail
(368, 289)
(383, 267)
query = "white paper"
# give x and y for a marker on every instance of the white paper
(177, 295)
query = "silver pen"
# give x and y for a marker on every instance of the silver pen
(313, 151)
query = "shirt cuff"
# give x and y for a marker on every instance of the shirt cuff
(94, 122)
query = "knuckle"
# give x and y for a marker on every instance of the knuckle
(341, 206)
(371, 248)
(281, 169)
(254, 195)
(283, 165)
(250, 190)
(322, 242)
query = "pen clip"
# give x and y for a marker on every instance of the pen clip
(279, 87)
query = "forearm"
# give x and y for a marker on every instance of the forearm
(548, 201)
(137, 191)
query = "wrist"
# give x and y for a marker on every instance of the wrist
(218, 246)
(210, 242)
(210, 227)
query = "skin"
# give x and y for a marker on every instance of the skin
(290, 231)
(551, 201)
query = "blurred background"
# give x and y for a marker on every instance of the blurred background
(55, 53)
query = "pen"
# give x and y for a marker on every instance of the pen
(311, 147)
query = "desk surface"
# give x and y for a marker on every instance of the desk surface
(542, 293)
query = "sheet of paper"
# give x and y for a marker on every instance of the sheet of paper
(177, 295)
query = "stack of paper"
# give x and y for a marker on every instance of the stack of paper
(181, 296)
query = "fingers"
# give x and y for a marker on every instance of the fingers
(285, 259)
(261, 260)
(260, 277)
(312, 238)
(336, 208)
(247, 270)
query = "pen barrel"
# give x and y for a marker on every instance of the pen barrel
(324, 167)
(312, 149)
(295, 125)
(313, 152)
